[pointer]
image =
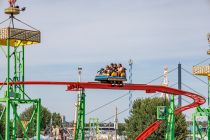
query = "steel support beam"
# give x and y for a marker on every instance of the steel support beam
(38, 119)
(7, 128)
(208, 131)
(80, 124)
(179, 84)
(171, 120)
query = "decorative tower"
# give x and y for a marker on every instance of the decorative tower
(15, 40)
(165, 82)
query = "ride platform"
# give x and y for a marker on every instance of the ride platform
(201, 70)
(18, 37)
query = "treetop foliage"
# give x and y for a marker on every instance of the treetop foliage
(144, 113)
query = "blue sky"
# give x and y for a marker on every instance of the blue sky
(96, 32)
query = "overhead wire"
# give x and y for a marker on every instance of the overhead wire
(173, 84)
(5, 20)
(106, 104)
(115, 115)
(124, 95)
(195, 76)
(128, 108)
(162, 75)
(186, 100)
(188, 72)
(160, 93)
(193, 89)
(201, 62)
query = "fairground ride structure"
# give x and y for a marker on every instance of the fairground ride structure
(16, 40)
(75, 86)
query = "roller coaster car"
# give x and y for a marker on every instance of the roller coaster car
(110, 79)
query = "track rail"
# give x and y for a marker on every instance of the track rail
(71, 86)
(198, 100)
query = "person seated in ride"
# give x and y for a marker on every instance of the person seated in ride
(108, 69)
(114, 73)
(123, 74)
(112, 65)
(115, 67)
(105, 73)
(120, 70)
(100, 71)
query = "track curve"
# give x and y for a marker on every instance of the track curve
(198, 100)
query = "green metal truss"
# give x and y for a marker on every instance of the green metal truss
(196, 128)
(15, 95)
(170, 120)
(167, 114)
(80, 124)
(94, 127)
(202, 112)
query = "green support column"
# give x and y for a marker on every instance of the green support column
(14, 121)
(171, 120)
(80, 124)
(22, 69)
(38, 119)
(208, 91)
(14, 106)
(83, 116)
(208, 107)
(7, 129)
(194, 127)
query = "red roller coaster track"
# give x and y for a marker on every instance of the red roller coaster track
(198, 100)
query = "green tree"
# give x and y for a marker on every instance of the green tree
(56, 119)
(121, 129)
(144, 113)
(26, 116)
